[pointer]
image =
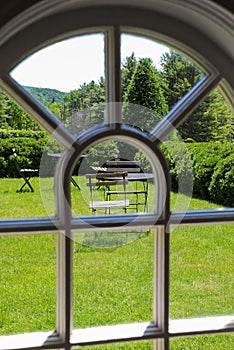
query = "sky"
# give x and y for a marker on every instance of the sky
(68, 64)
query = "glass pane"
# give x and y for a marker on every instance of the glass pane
(216, 342)
(68, 79)
(111, 193)
(201, 280)
(22, 171)
(113, 285)
(27, 184)
(154, 78)
(27, 283)
(201, 155)
(109, 238)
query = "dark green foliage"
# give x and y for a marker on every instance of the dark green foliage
(6, 134)
(12, 116)
(204, 157)
(222, 182)
(145, 103)
(128, 68)
(99, 154)
(179, 75)
(81, 108)
(180, 166)
(209, 164)
(29, 153)
(91, 94)
(207, 158)
(212, 120)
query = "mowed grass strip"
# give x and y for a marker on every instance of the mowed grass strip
(112, 285)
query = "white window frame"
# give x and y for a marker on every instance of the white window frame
(205, 24)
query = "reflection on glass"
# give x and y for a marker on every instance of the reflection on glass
(113, 284)
(109, 238)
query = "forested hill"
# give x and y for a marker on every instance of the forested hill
(45, 95)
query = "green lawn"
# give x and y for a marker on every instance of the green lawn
(111, 285)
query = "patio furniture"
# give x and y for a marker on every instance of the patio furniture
(25, 173)
(135, 174)
(97, 182)
(58, 155)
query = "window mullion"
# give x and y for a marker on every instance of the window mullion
(185, 106)
(161, 287)
(64, 266)
(113, 76)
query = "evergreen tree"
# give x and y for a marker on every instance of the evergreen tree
(178, 76)
(145, 91)
(127, 70)
(13, 116)
(212, 119)
(3, 110)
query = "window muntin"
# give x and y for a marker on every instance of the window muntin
(65, 139)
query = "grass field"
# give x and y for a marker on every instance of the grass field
(112, 285)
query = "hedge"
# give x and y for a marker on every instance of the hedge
(180, 166)
(211, 164)
(208, 166)
(221, 187)
(11, 133)
(29, 153)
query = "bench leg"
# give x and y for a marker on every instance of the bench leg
(26, 182)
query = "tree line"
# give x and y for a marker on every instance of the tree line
(156, 91)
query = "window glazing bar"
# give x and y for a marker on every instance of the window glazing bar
(52, 225)
(64, 272)
(161, 284)
(40, 114)
(199, 217)
(113, 76)
(107, 334)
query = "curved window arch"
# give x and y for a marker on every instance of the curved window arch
(201, 31)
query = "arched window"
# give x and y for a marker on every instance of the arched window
(199, 30)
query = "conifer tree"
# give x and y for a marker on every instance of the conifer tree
(144, 101)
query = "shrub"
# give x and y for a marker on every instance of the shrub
(100, 153)
(221, 187)
(11, 133)
(29, 153)
(200, 163)
(180, 166)
(205, 156)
